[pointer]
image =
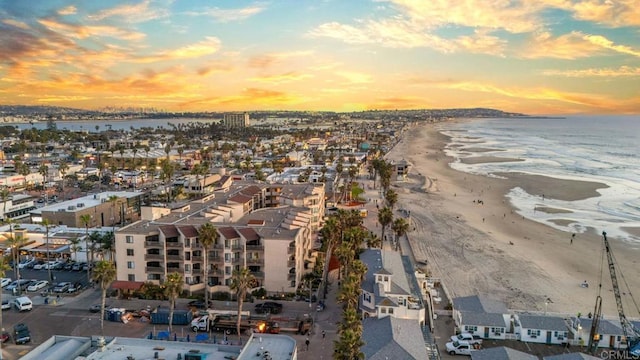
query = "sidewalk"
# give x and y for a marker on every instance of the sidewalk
(327, 321)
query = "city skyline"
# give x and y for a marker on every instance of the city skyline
(529, 56)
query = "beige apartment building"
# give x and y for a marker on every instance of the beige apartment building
(253, 233)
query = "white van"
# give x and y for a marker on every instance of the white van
(23, 303)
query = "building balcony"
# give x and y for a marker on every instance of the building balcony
(217, 246)
(237, 260)
(196, 246)
(175, 257)
(255, 247)
(175, 269)
(196, 271)
(196, 258)
(215, 259)
(153, 257)
(291, 263)
(174, 244)
(157, 244)
(216, 272)
(237, 247)
(154, 269)
(291, 277)
(291, 250)
(255, 261)
(258, 274)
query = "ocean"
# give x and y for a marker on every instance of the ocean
(589, 148)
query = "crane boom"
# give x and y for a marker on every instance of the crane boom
(630, 333)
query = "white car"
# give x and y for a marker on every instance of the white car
(5, 281)
(39, 266)
(38, 285)
(6, 305)
(50, 264)
(23, 264)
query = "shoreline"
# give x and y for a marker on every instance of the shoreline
(486, 247)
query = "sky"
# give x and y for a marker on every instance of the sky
(529, 56)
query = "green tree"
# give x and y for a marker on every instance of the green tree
(207, 235)
(86, 220)
(400, 228)
(63, 167)
(172, 289)
(391, 197)
(385, 217)
(5, 195)
(46, 224)
(104, 274)
(241, 281)
(15, 242)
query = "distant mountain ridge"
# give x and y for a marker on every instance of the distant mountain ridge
(439, 113)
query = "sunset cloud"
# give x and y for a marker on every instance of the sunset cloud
(227, 15)
(623, 71)
(68, 10)
(132, 13)
(208, 46)
(86, 31)
(281, 78)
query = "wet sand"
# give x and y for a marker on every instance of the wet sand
(487, 248)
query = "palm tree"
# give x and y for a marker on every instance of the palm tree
(391, 197)
(385, 217)
(400, 227)
(113, 200)
(85, 220)
(104, 274)
(46, 224)
(172, 289)
(75, 247)
(241, 280)
(4, 267)
(5, 195)
(208, 235)
(15, 242)
(63, 167)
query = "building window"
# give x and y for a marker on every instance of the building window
(227, 270)
(129, 252)
(470, 329)
(187, 268)
(390, 310)
(227, 257)
(533, 333)
(383, 310)
(129, 239)
(131, 277)
(386, 278)
(187, 255)
(131, 265)
(497, 330)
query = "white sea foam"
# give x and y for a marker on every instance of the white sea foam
(577, 148)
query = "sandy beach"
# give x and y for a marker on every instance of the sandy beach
(473, 239)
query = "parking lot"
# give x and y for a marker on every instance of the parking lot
(71, 315)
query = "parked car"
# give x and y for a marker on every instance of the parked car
(268, 307)
(461, 347)
(77, 267)
(25, 263)
(6, 305)
(21, 334)
(468, 337)
(4, 337)
(5, 281)
(74, 287)
(33, 264)
(38, 285)
(18, 284)
(62, 287)
(69, 266)
(59, 265)
(39, 265)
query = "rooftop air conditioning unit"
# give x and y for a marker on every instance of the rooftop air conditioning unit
(71, 207)
(80, 205)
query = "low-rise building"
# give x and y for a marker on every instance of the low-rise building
(389, 287)
(482, 316)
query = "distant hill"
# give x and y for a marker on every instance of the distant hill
(26, 110)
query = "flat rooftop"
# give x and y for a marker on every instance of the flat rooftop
(281, 347)
(121, 348)
(86, 201)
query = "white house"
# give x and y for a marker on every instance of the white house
(482, 316)
(542, 329)
(501, 353)
(389, 287)
(609, 331)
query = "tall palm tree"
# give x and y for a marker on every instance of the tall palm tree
(15, 242)
(241, 280)
(385, 217)
(113, 200)
(173, 288)
(85, 220)
(104, 274)
(75, 247)
(391, 197)
(46, 224)
(63, 167)
(400, 227)
(4, 267)
(208, 235)
(5, 195)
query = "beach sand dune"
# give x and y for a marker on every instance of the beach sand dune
(471, 237)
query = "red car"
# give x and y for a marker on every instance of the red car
(4, 337)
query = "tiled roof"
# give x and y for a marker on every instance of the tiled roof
(188, 231)
(249, 234)
(228, 232)
(169, 231)
(241, 199)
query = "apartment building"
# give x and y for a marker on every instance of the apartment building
(251, 235)
(17, 206)
(236, 120)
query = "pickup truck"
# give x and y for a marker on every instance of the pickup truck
(468, 337)
(461, 348)
(21, 334)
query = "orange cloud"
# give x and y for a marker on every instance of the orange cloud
(131, 13)
(227, 15)
(249, 98)
(567, 46)
(69, 10)
(268, 60)
(281, 78)
(208, 46)
(16, 23)
(618, 13)
(622, 71)
(84, 31)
